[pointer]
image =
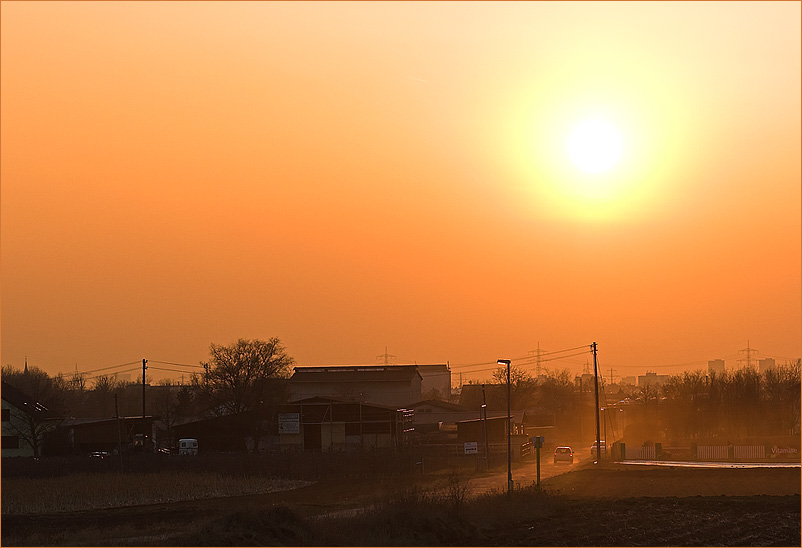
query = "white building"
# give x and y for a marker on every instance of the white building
(766, 364)
(715, 366)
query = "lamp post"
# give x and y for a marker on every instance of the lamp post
(509, 427)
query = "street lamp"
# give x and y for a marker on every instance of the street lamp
(509, 427)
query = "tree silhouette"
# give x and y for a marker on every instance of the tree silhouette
(242, 377)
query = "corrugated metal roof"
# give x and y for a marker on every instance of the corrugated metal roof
(383, 373)
(447, 406)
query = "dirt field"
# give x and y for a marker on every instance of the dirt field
(612, 505)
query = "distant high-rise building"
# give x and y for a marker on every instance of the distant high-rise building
(766, 364)
(651, 379)
(715, 366)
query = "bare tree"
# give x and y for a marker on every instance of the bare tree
(685, 394)
(102, 394)
(241, 377)
(521, 385)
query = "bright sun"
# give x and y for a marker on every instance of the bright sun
(594, 146)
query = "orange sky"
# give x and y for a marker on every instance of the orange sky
(350, 176)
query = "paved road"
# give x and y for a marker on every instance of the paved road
(524, 473)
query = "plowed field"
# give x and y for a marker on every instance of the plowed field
(585, 506)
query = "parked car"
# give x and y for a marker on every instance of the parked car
(98, 454)
(603, 448)
(564, 454)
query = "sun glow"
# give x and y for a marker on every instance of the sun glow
(594, 146)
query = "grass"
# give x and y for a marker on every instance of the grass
(109, 490)
(526, 518)
(402, 513)
(411, 516)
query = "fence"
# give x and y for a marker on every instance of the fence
(699, 453)
(635, 453)
(712, 452)
(749, 451)
(729, 452)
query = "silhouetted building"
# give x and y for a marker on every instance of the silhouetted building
(431, 415)
(435, 380)
(715, 366)
(387, 385)
(766, 364)
(129, 433)
(651, 379)
(325, 424)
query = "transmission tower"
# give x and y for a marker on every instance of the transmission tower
(537, 354)
(386, 356)
(748, 351)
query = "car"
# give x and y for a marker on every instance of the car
(603, 448)
(98, 454)
(564, 454)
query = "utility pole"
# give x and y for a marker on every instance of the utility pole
(596, 377)
(484, 420)
(119, 435)
(144, 367)
(580, 407)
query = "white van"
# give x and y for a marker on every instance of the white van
(188, 446)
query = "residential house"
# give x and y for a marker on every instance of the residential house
(25, 422)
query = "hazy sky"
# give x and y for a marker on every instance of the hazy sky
(354, 176)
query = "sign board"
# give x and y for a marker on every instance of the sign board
(289, 423)
(538, 441)
(471, 448)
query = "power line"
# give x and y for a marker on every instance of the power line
(174, 363)
(104, 368)
(529, 358)
(115, 373)
(166, 369)
(521, 365)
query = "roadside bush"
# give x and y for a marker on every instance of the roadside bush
(278, 526)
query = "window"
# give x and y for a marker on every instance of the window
(6, 415)
(9, 442)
